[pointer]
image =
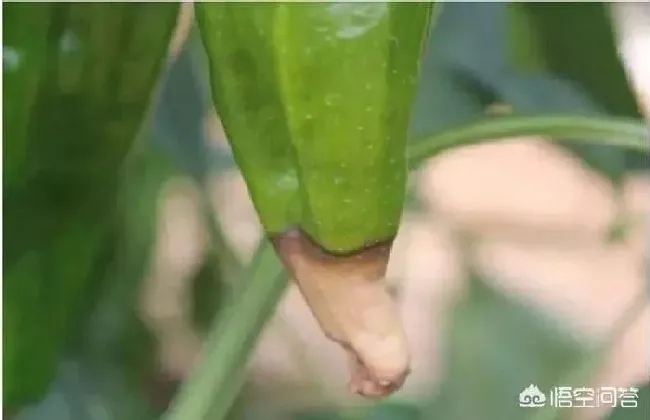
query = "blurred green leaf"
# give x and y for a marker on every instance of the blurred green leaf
(468, 65)
(24, 49)
(77, 393)
(446, 96)
(496, 346)
(107, 371)
(64, 255)
(72, 136)
(179, 122)
(118, 349)
(207, 295)
(114, 316)
(576, 44)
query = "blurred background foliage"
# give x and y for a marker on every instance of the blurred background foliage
(528, 58)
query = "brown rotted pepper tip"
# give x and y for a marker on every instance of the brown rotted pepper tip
(353, 308)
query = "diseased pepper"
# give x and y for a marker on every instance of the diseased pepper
(315, 100)
(78, 81)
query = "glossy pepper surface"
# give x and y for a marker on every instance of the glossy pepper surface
(315, 100)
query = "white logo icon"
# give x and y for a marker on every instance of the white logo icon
(531, 396)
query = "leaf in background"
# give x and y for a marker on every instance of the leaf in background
(446, 96)
(71, 141)
(139, 200)
(179, 124)
(77, 393)
(118, 353)
(468, 65)
(180, 129)
(24, 50)
(637, 161)
(106, 373)
(179, 121)
(119, 348)
(206, 293)
(495, 348)
(576, 44)
(640, 412)
(466, 68)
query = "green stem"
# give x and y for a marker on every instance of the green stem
(215, 382)
(622, 132)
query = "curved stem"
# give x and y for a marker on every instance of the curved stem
(215, 382)
(622, 132)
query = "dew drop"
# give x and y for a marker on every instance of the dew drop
(368, 109)
(360, 127)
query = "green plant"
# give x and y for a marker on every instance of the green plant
(326, 171)
(562, 77)
(82, 76)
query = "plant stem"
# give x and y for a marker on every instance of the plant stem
(622, 132)
(215, 382)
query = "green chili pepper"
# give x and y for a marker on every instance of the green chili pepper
(78, 82)
(315, 100)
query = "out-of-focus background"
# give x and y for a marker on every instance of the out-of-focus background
(514, 260)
